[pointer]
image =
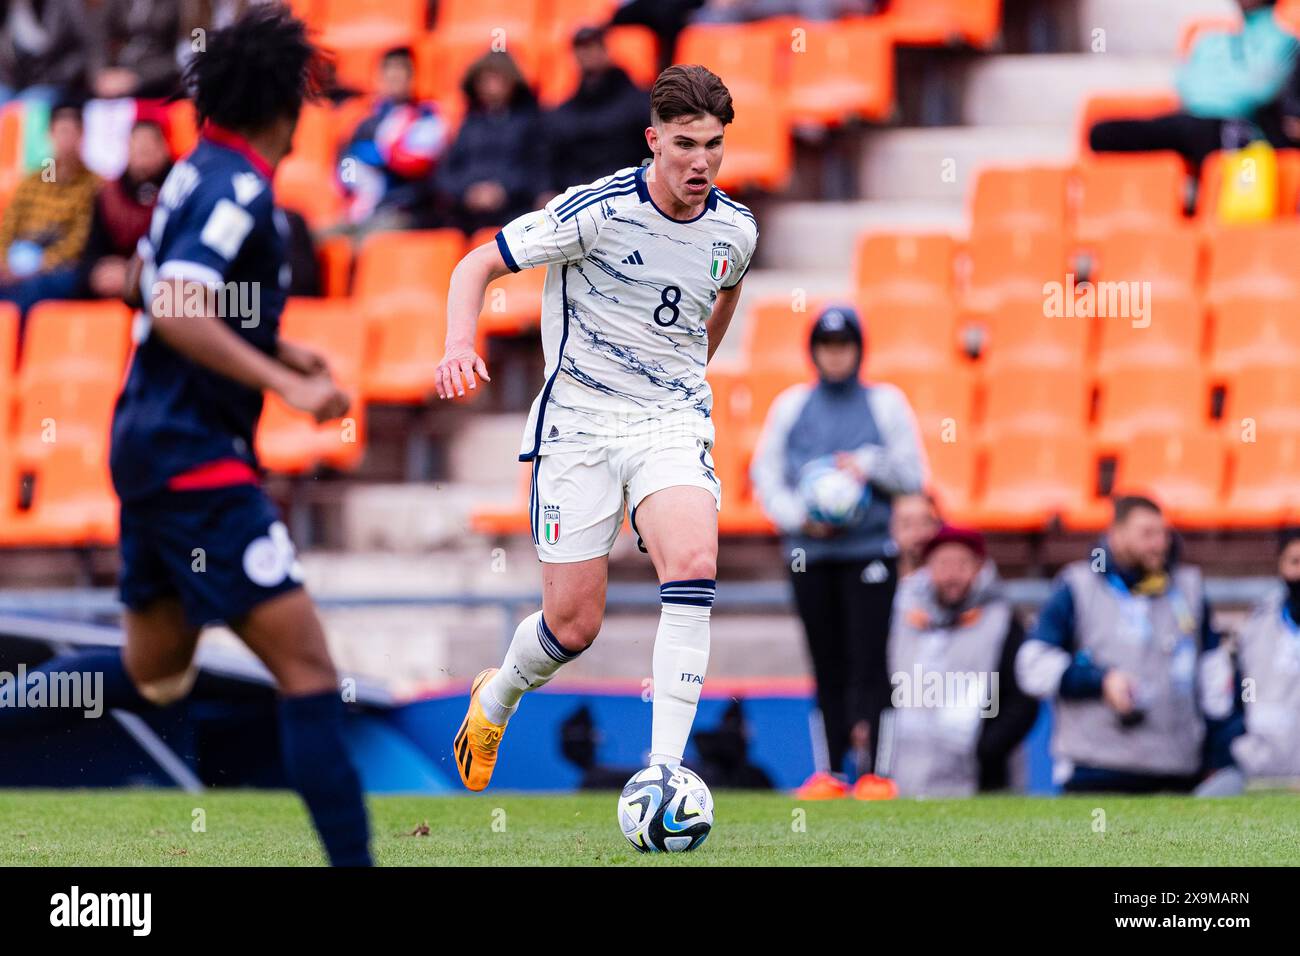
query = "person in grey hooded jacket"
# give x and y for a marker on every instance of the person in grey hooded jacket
(843, 568)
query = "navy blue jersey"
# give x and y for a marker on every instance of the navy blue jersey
(216, 225)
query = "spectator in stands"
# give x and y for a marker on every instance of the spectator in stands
(956, 712)
(913, 521)
(817, 438)
(601, 128)
(1230, 87)
(492, 172)
(45, 226)
(122, 212)
(41, 47)
(387, 166)
(1117, 646)
(131, 47)
(1262, 666)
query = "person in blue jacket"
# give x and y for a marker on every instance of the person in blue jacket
(1230, 89)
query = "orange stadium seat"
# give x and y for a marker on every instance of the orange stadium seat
(1121, 105)
(1171, 333)
(1255, 335)
(72, 501)
(1260, 398)
(1254, 264)
(1007, 267)
(905, 337)
(1021, 337)
(737, 424)
(759, 152)
(631, 46)
(1030, 479)
(290, 441)
(513, 303)
(1172, 399)
(1030, 199)
(845, 71)
(943, 400)
(334, 254)
(953, 478)
(8, 362)
(1169, 259)
(1036, 401)
(744, 55)
(76, 341)
(1262, 490)
(358, 31)
(1184, 471)
(305, 181)
(1288, 185)
(182, 127)
(506, 519)
(943, 22)
(401, 287)
(1136, 193)
(904, 268)
(776, 334)
(443, 58)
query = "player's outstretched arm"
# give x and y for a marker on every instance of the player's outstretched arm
(208, 341)
(469, 282)
(724, 307)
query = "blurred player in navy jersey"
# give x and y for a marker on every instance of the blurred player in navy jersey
(200, 540)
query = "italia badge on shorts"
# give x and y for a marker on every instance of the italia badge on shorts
(720, 265)
(551, 523)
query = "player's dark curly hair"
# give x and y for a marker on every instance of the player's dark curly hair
(257, 70)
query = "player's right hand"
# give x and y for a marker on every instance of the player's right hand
(457, 369)
(317, 395)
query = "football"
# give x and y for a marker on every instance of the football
(831, 495)
(665, 810)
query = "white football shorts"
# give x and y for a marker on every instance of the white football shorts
(577, 500)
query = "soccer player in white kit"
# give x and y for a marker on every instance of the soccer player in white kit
(643, 273)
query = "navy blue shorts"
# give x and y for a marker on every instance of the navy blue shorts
(221, 551)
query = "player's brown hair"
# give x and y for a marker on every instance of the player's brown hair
(682, 92)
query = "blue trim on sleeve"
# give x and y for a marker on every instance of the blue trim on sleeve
(506, 254)
(559, 360)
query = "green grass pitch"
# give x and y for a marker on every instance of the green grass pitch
(255, 828)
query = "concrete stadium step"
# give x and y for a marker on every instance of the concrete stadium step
(1143, 26)
(937, 164)
(1049, 90)
(807, 239)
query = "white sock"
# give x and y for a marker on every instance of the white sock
(533, 658)
(681, 658)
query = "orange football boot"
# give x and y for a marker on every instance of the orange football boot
(475, 745)
(822, 786)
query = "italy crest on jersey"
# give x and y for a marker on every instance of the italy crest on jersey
(720, 266)
(551, 523)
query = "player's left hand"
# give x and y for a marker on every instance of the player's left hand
(457, 369)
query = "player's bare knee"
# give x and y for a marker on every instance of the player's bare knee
(170, 689)
(577, 631)
(693, 564)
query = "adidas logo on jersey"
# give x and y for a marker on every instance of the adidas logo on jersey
(634, 259)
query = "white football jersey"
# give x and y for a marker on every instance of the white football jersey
(627, 297)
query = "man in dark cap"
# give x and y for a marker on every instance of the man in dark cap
(833, 455)
(956, 712)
